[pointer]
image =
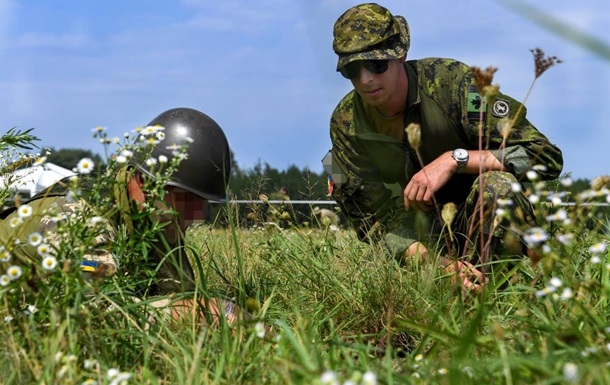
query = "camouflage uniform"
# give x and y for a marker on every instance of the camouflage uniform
(371, 170)
(54, 209)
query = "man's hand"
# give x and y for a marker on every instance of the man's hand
(423, 185)
(464, 273)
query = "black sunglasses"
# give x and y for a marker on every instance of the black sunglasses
(352, 70)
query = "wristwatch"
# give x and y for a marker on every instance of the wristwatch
(461, 157)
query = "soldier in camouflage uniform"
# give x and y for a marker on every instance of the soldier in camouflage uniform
(386, 185)
(201, 176)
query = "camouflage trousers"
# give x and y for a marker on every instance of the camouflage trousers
(480, 226)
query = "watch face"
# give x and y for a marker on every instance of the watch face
(460, 154)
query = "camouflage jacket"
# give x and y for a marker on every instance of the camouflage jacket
(371, 170)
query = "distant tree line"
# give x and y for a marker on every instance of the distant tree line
(263, 179)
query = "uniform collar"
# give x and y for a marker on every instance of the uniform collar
(413, 86)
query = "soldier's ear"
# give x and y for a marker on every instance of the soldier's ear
(139, 178)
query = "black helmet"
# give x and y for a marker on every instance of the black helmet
(206, 169)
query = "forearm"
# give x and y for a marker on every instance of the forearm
(481, 161)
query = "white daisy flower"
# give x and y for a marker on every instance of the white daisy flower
(43, 250)
(259, 328)
(49, 263)
(14, 272)
(4, 280)
(369, 378)
(5, 255)
(15, 222)
(120, 159)
(151, 161)
(531, 175)
(85, 166)
(34, 239)
(25, 211)
(162, 159)
(598, 248)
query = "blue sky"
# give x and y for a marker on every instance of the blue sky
(265, 70)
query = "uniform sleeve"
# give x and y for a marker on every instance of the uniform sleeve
(524, 146)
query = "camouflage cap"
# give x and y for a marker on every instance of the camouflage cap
(370, 32)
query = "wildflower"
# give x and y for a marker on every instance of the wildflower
(483, 78)
(95, 220)
(98, 129)
(127, 153)
(598, 248)
(85, 166)
(566, 182)
(89, 381)
(58, 217)
(500, 212)
(415, 374)
(112, 373)
(31, 309)
(15, 222)
(25, 211)
(8, 319)
(162, 159)
(369, 378)
(535, 236)
(556, 282)
(567, 293)
(534, 199)
(595, 259)
(542, 62)
(504, 202)
(14, 272)
(504, 126)
(442, 371)
(448, 213)
(188, 139)
(160, 135)
(515, 187)
(570, 372)
(413, 131)
(34, 239)
(5, 255)
(419, 357)
(4, 280)
(120, 159)
(468, 371)
(560, 215)
(73, 195)
(329, 378)
(89, 364)
(121, 378)
(531, 175)
(264, 198)
(40, 161)
(173, 147)
(333, 228)
(547, 290)
(565, 239)
(151, 161)
(43, 250)
(149, 130)
(259, 328)
(49, 263)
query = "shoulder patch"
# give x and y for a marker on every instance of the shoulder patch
(500, 108)
(476, 105)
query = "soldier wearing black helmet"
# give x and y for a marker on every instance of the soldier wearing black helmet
(200, 175)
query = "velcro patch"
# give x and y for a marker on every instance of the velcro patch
(476, 105)
(500, 108)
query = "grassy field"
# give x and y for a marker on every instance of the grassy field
(330, 310)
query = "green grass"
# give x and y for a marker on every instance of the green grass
(334, 304)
